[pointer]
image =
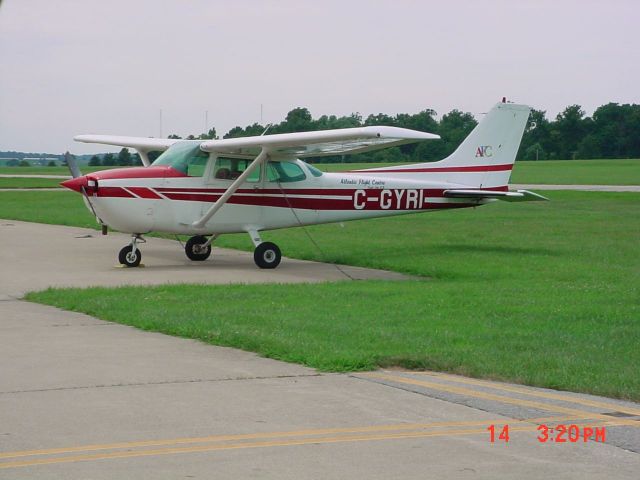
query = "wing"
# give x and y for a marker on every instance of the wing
(512, 196)
(143, 144)
(317, 144)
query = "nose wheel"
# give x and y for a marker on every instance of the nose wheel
(131, 256)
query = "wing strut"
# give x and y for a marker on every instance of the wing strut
(231, 190)
(144, 157)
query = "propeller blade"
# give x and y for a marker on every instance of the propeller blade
(73, 165)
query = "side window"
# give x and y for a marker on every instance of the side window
(196, 166)
(232, 168)
(284, 172)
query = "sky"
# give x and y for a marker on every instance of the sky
(73, 67)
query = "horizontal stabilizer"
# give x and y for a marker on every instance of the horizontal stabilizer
(510, 196)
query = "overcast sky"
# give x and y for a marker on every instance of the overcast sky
(89, 66)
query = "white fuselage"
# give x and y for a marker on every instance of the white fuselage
(134, 201)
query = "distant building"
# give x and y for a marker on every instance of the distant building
(41, 161)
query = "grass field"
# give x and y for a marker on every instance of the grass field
(29, 182)
(563, 172)
(545, 294)
(58, 208)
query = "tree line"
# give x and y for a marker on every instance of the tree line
(613, 131)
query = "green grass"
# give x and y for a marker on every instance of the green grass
(560, 172)
(544, 294)
(57, 208)
(578, 172)
(29, 182)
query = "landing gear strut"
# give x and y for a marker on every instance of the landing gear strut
(198, 248)
(266, 254)
(130, 256)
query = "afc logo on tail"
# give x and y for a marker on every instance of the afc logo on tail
(484, 151)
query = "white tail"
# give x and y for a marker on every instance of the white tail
(485, 158)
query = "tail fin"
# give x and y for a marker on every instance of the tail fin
(483, 160)
(487, 155)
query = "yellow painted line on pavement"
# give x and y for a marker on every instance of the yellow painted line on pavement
(266, 435)
(262, 444)
(493, 397)
(534, 393)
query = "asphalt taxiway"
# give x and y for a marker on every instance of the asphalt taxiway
(85, 398)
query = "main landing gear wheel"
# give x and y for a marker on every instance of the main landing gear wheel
(130, 256)
(267, 255)
(196, 249)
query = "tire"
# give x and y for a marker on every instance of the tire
(128, 258)
(267, 255)
(194, 250)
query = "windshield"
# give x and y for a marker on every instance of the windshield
(314, 171)
(284, 172)
(186, 157)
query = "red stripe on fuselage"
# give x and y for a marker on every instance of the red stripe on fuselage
(472, 168)
(114, 192)
(368, 199)
(144, 192)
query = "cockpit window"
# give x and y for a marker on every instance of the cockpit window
(186, 157)
(232, 168)
(284, 172)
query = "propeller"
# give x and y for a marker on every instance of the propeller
(73, 165)
(76, 173)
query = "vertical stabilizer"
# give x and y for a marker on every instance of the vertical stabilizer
(490, 148)
(483, 160)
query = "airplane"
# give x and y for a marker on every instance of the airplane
(206, 188)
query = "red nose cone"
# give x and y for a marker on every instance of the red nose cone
(75, 184)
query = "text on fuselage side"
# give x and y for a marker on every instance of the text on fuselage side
(394, 199)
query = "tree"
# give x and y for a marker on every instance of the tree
(94, 161)
(52, 163)
(24, 163)
(249, 130)
(454, 127)
(108, 160)
(536, 141)
(567, 131)
(534, 152)
(210, 135)
(174, 136)
(124, 158)
(380, 119)
(297, 120)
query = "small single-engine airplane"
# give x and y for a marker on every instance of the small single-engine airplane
(205, 188)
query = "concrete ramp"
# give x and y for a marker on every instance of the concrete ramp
(36, 256)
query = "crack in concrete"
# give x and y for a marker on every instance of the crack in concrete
(163, 382)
